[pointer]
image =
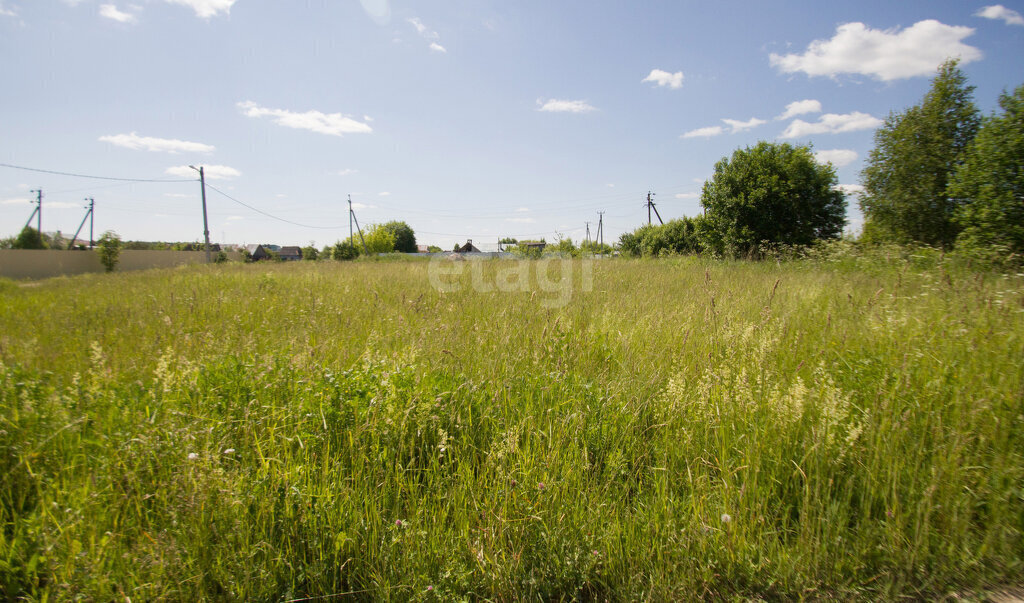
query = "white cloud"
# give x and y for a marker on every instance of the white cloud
(384, 194)
(422, 29)
(17, 201)
(145, 143)
(211, 172)
(849, 189)
(837, 157)
(234, 218)
(206, 8)
(7, 12)
(347, 172)
(739, 126)
(884, 54)
(687, 195)
(521, 220)
(832, 123)
(998, 11)
(704, 132)
(47, 204)
(800, 108)
(110, 11)
(664, 78)
(427, 34)
(565, 106)
(363, 206)
(522, 209)
(334, 124)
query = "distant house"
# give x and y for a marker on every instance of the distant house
(422, 249)
(540, 245)
(257, 252)
(290, 254)
(468, 247)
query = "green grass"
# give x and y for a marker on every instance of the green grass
(845, 427)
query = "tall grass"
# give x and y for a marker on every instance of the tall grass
(828, 427)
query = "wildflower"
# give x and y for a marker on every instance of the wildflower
(540, 486)
(229, 451)
(192, 456)
(430, 588)
(398, 523)
(514, 483)
(726, 518)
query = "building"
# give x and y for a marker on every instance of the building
(468, 247)
(290, 253)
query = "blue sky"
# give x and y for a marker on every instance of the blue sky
(467, 119)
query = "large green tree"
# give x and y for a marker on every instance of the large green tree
(405, 238)
(916, 152)
(989, 185)
(774, 193)
(28, 238)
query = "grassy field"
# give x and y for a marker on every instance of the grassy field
(842, 427)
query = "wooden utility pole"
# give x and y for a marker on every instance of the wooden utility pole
(206, 224)
(650, 206)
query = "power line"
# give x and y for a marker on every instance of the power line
(272, 216)
(28, 169)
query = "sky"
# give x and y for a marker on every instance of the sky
(467, 119)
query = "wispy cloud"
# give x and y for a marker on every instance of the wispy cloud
(521, 220)
(206, 8)
(427, 34)
(48, 204)
(211, 172)
(17, 201)
(565, 106)
(346, 172)
(146, 143)
(885, 54)
(7, 12)
(739, 126)
(704, 132)
(522, 209)
(832, 123)
(665, 79)
(363, 206)
(849, 189)
(998, 11)
(837, 157)
(384, 194)
(333, 124)
(687, 195)
(110, 11)
(800, 107)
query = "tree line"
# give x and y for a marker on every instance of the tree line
(940, 174)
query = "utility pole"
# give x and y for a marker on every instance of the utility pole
(37, 213)
(206, 225)
(88, 215)
(588, 232)
(350, 216)
(650, 206)
(600, 228)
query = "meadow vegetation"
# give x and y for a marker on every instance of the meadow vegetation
(850, 424)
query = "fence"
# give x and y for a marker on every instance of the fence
(44, 263)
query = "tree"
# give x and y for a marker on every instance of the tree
(773, 193)
(109, 249)
(989, 185)
(28, 238)
(378, 239)
(344, 251)
(679, 236)
(405, 238)
(916, 152)
(310, 252)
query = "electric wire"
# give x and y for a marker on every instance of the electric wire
(55, 172)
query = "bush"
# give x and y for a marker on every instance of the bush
(109, 247)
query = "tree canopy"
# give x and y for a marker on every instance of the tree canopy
(916, 151)
(28, 238)
(774, 193)
(405, 238)
(988, 186)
